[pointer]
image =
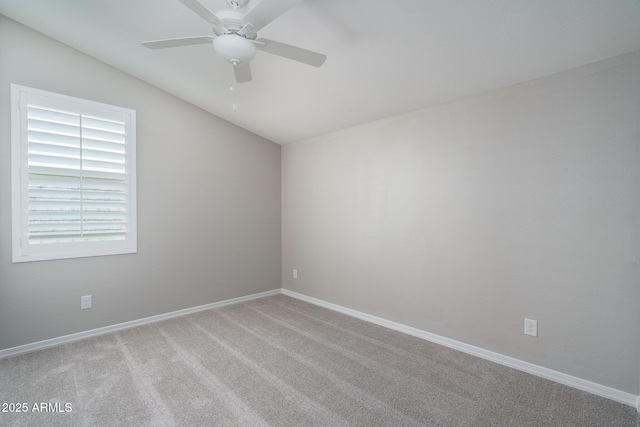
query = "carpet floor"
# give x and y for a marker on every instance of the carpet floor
(278, 361)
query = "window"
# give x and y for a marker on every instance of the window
(73, 177)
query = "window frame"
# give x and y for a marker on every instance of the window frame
(22, 250)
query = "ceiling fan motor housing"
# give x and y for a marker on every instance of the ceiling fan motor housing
(232, 21)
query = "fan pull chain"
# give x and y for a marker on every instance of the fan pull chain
(234, 106)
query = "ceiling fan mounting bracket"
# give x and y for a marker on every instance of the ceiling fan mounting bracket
(237, 4)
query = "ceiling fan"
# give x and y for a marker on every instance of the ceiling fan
(235, 34)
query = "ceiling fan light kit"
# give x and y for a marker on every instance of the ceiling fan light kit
(234, 48)
(235, 33)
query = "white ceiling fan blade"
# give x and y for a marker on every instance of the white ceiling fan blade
(266, 11)
(205, 14)
(292, 52)
(182, 41)
(242, 72)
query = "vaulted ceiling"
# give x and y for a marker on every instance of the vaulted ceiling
(383, 57)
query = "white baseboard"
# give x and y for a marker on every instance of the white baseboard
(27, 348)
(559, 377)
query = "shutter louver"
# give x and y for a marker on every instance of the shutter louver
(77, 177)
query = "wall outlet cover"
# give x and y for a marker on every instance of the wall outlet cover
(531, 327)
(85, 302)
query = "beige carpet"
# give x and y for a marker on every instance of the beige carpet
(282, 362)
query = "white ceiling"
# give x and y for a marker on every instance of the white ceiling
(383, 57)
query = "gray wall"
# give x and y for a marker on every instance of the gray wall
(208, 206)
(465, 218)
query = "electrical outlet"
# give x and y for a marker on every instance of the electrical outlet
(85, 302)
(295, 274)
(531, 327)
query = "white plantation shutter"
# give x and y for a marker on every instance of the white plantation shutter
(76, 175)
